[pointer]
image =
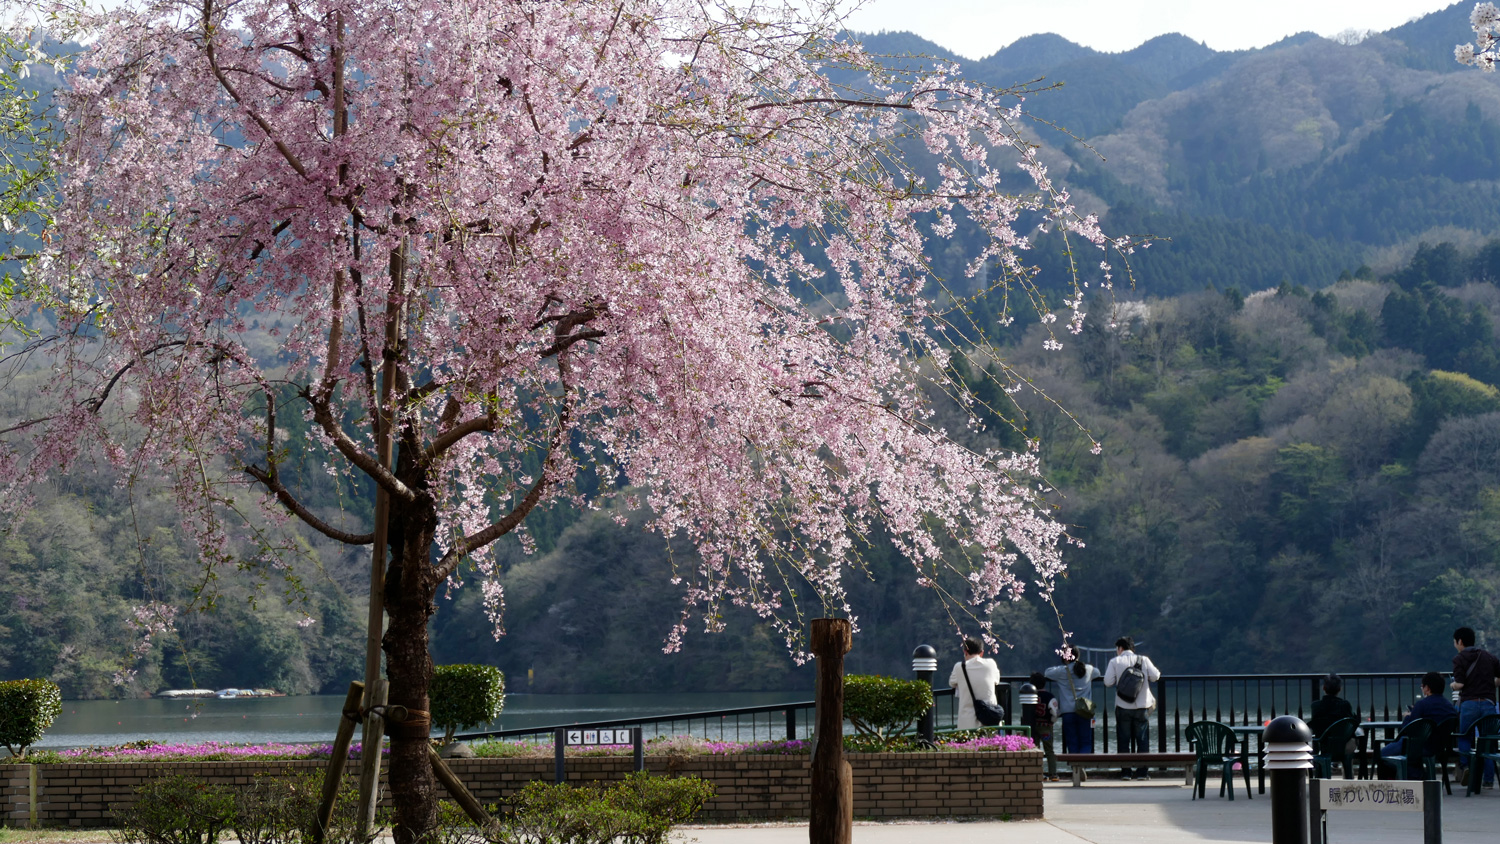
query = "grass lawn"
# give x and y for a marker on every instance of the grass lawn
(54, 836)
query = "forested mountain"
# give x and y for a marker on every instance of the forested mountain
(1298, 404)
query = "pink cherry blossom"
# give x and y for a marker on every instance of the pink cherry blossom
(528, 243)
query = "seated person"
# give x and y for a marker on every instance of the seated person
(1434, 707)
(1328, 709)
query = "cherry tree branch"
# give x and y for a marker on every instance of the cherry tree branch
(453, 435)
(323, 415)
(234, 94)
(469, 544)
(297, 509)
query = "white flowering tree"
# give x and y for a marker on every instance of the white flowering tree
(1483, 52)
(564, 235)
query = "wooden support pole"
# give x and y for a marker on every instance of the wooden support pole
(334, 773)
(832, 810)
(460, 794)
(369, 762)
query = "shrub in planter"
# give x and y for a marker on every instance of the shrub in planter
(465, 696)
(175, 810)
(27, 709)
(882, 707)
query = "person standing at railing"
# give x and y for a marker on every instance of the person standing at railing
(1072, 682)
(983, 677)
(1474, 676)
(1131, 676)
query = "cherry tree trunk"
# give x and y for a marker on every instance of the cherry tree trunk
(409, 593)
(832, 811)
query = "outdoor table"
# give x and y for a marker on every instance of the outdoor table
(1246, 731)
(1375, 741)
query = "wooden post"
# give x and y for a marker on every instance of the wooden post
(461, 795)
(369, 762)
(369, 786)
(832, 810)
(32, 821)
(334, 774)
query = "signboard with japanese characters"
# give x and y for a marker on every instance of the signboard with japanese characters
(1392, 795)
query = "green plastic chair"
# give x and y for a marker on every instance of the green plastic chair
(1214, 744)
(1413, 738)
(1333, 746)
(1486, 746)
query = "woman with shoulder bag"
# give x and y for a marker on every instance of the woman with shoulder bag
(1073, 684)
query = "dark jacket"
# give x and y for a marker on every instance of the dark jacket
(1476, 668)
(1434, 708)
(1325, 711)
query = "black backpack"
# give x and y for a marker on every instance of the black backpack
(1131, 681)
(1042, 714)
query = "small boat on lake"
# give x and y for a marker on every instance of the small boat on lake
(182, 693)
(223, 694)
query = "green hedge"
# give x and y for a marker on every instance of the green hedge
(465, 696)
(280, 810)
(882, 707)
(641, 810)
(27, 709)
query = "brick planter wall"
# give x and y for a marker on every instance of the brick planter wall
(886, 785)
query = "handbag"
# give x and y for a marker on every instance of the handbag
(985, 713)
(1083, 707)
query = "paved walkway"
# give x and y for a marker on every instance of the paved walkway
(1101, 813)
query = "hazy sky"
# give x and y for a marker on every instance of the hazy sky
(977, 28)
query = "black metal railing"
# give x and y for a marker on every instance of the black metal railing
(1234, 699)
(748, 723)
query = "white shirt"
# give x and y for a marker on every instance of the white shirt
(985, 675)
(1117, 666)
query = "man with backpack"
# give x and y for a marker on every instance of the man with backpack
(1131, 675)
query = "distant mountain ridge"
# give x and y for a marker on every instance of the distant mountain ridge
(1358, 146)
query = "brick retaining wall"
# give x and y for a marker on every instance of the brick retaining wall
(886, 785)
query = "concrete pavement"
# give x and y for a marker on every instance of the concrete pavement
(1117, 813)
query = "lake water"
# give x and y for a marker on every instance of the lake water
(85, 723)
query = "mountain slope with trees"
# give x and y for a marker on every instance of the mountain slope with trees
(1273, 411)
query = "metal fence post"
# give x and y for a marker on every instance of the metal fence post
(1161, 714)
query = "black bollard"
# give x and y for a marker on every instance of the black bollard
(924, 664)
(1288, 744)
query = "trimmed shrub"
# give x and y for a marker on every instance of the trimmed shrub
(278, 809)
(640, 810)
(175, 810)
(882, 707)
(27, 709)
(465, 696)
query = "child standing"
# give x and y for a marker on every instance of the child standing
(1039, 711)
